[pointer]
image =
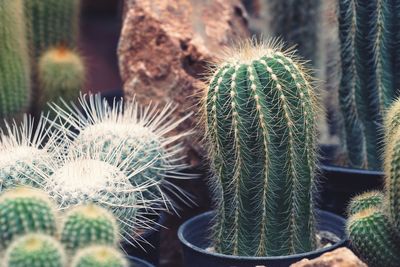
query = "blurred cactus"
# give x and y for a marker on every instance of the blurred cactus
(14, 60)
(369, 42)
(99, 256)
(89, 224)
(373, 199)
(260, 112)
(25, 210)
(61, 73)
(52, 23)
(35, 250)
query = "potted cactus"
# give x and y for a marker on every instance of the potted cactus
(259, 113)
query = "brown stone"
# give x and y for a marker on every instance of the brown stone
(165, 47)
(341, 257)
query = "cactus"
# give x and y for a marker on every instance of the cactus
(99, 256)
(24, 210)
(373, 237)
(24, 145)
(141, 129)
(61, 73)
(372, 199)
(260, 113)
(89, 224)
(52, 23)
(14, 60)
(35, 250)
(392, 120)
(369, 43)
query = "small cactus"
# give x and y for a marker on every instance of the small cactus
(14, 60)
(374, 238)
(88, 224)
(35, 250)
(99, 256)
(372, 199)
(260, 112)
(61, 74)
(24, 210)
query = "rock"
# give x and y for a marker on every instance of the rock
(164, 50)
(341, 257)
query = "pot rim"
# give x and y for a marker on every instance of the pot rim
(183, 240)
(139, 260)
(349, 170)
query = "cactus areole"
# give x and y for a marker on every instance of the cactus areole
(260, 113)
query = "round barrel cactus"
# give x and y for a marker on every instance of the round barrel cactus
(99, 256)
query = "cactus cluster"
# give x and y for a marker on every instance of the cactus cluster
(30, 238)
(260, 110)
(369, 40)
(14, 60)
(374, 223)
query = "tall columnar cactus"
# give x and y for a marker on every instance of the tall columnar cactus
(22, 146)
(25, 210)
(143, 134)
(14, 60)
(88, 224)
(369, 36)
(35, 250)
(372, 199)
(52, 23)
(61, 73)
(260, 113)
(99, 256)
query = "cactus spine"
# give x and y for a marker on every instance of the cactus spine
(372, 199)
(25, 210)
(35, 250)
(99, 256)
(369, 42)
(260, 113)
(14, 60)
(86, 225)
(61, 73)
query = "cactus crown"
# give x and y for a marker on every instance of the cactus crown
(99, 256)
(259, 111)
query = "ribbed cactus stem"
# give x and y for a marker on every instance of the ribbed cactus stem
(373, 237)
(99, 256)
(372, 199)
(88, 224)
(25, 210)
(260, 112)
(35, 250)
(355, 142)
(392, 120)
(14, 60)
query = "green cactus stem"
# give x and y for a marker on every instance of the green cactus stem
(99, 256)
(25, 210)
(372, 199)
(89, 224)
(61, 74)
(35, 250)
(260, 112)
(14, 60)
(373, 237)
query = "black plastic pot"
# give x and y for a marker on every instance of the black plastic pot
(148, 247)
(194, 235)
(136, 262)
(337, 185)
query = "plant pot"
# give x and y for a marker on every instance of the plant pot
(148, 245)
(337, 185)
(136, 262)
(194, 235)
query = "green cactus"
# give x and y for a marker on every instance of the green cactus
(372, 199)
(61, 73)
(89, 224)
(373, 237)
(99, 256)
(35, 250)
(24, 210)
(392, 120)
(52, 23)
(260, 113)
(14, 60)
(142, 134)
(369, 36)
